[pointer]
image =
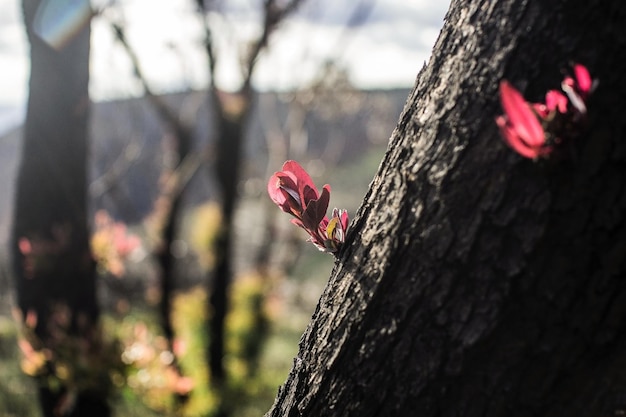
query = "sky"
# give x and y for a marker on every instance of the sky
(383, 48)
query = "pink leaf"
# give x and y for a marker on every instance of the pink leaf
(583, 79)
(282, 189)
(303, 181)
(513, 140)
(556, 101)
(522, 120)
(316, 210)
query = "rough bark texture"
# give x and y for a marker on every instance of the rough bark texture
(475, 282)
(53, 266)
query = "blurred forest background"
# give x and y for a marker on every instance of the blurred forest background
(193, 261)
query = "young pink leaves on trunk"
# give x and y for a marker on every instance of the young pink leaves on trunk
(519, 126)
(293, 190)
(533, 129)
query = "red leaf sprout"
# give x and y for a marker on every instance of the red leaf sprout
(293, 190)
(520, 127)
(533, 129)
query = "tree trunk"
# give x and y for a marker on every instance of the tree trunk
(231, 130)
(54, 270)
(231, 118)
(475, 282)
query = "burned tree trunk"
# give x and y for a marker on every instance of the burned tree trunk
(231, 128)
(231, 119)
(53, 266)
(475, 282)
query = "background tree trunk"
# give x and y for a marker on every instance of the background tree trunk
(475, 282)
(231, 120)
(52, 261)
(231, 130)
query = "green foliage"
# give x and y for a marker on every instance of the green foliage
(252, 385)
(77, 359)
(257, 359)
(147, 358)
(247, 327)
(190, 323)
(16, 389)
(203, 226)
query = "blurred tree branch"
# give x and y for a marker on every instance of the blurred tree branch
(185, 165)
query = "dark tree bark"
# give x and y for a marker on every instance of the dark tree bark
(475, 282)
(53, 266)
